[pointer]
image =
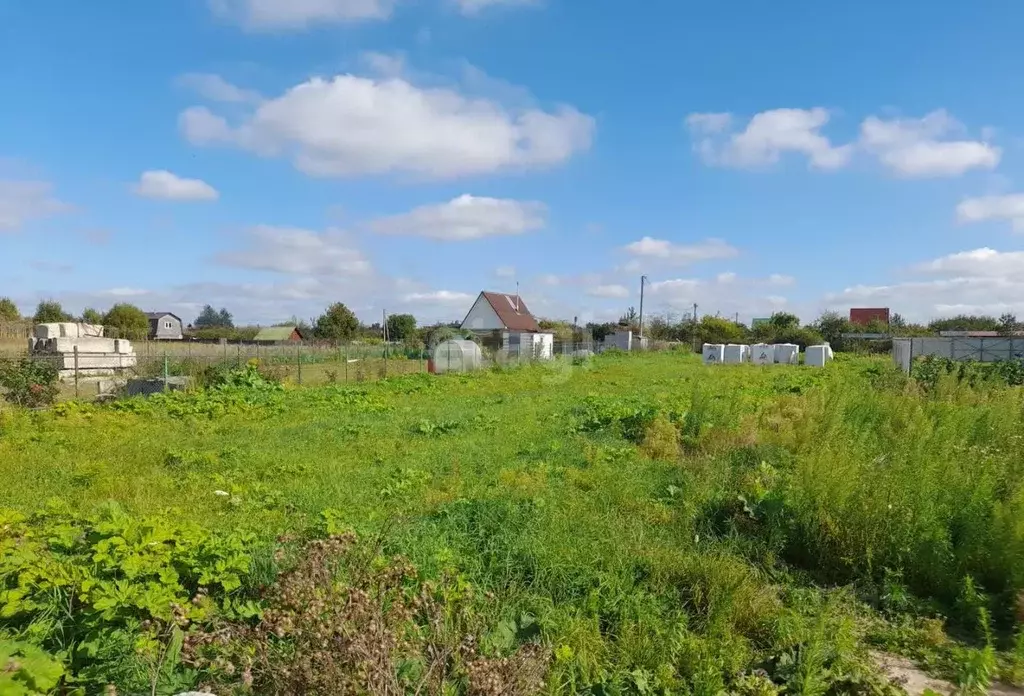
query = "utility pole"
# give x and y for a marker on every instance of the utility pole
(643, 279)
(384, 330)
(696, 339)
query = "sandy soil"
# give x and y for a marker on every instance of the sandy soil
(914, 681)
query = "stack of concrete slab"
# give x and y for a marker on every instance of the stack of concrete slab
(82, 347)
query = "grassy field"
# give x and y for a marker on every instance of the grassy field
(627, 525)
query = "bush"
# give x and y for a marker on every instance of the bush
(802, 337)
(29, 382)
(126, 321)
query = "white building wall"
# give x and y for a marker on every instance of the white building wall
(482, 317)
(544, 345)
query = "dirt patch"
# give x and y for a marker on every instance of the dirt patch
(915, 681)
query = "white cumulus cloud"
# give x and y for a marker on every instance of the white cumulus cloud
(439, 297)
(1008, 207)
(976, 281)
(766, 138)
(270, 15)
(465, 218)
(164, 185)
(726, 294)
(930, 146)
(474, 7)
(983, 262)
(298, 251)
(350, 125)
(609, 291)
(920, 148)
(21, 201)
(665, 251)
(216, 88)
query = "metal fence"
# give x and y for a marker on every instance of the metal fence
(299, 363)
(979, 349)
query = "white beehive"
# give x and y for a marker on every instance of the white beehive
(735, 353)
(713, 353)
(787, 353)
(762, 354)
(817, 356)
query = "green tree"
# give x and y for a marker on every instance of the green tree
(630, 320)
(783, 321)
(49, 311)
(304, 326)
(8, 310)
(438, 333)
(600, 331)
(965, 322)
(562, 330)
(92, 316)
(338, 323)
(1008, 324)
(401, 327)
(126, 321)
(831, 326)
(210, 318)
(719, 330)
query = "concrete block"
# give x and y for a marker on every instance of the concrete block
(817, 356)
(736, 353)
(68, 329)
(90, 330)
(787, 353)
(95, 361)
(84, 345)
(122, 346)
(713, 353)
(51, 330)
(762, 354)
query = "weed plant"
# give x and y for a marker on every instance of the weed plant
(639, 525)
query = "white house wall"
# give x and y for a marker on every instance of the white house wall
(482, 317)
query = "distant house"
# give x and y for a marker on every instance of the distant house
(164, 326)
(279, 334)
(505, 322)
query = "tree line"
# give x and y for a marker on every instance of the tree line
(783, 327)
(339, 324)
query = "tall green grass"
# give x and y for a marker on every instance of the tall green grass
(661, 526)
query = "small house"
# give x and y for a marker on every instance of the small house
(504, 322)
(279, 334)
(164, 326)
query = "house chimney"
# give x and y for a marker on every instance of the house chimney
(517, 296)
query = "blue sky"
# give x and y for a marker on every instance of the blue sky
(273, 156)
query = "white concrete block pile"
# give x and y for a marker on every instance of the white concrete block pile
(82, 347)
(765, 354)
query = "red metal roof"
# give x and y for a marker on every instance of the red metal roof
(866, 315)
(512, 311)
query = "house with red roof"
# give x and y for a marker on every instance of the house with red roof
(503, 321)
